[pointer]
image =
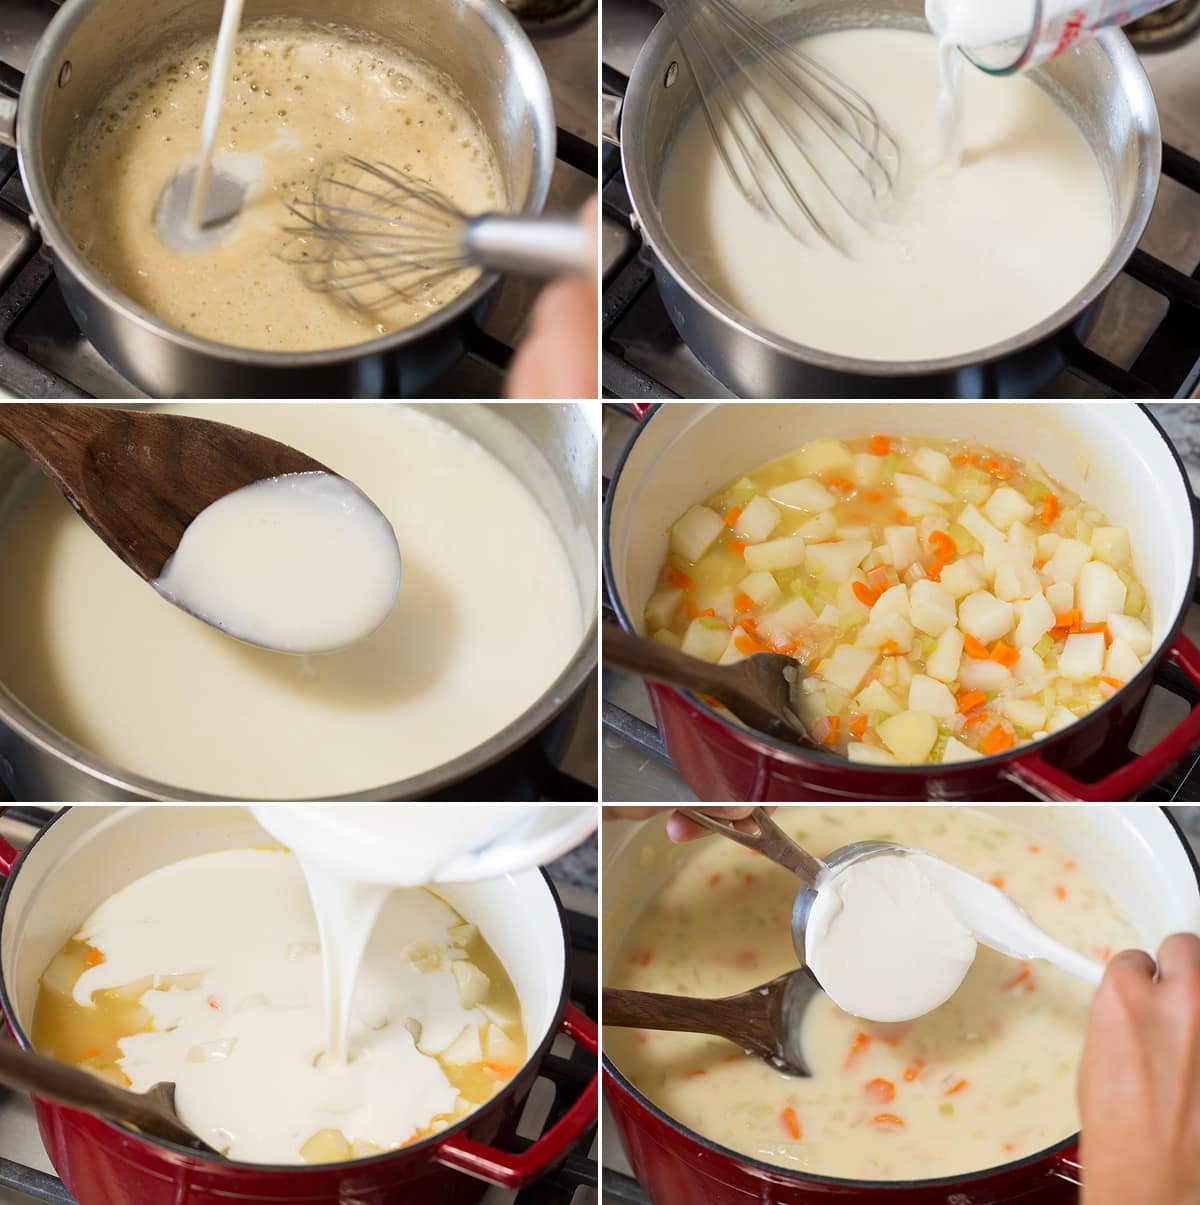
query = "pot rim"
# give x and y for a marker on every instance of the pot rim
(1130, 75)
(513, 43)
(615, 1078)
(801, 755)
(529, 1069)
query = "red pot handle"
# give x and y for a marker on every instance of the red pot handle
(516, 1171)
(8, 855)
(1033, 771)
(640, 409)
(1067, 1167)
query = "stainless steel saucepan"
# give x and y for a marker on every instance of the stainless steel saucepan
(1101, 85)
(89, 46)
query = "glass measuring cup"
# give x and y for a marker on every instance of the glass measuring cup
(1005, 36)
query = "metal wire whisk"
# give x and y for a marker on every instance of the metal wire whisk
(377, 236)
(803, 147)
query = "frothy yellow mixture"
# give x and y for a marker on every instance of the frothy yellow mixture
(298, 97)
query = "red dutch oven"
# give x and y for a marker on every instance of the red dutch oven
(1114, 455)
(1138, 853)
(86, 854)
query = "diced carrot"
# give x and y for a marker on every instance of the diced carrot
(1035, 849)
(1104, 953)
(934, 571)
(825, 730)
(732, 515)
(975, 648)
(212, 1003)
(913, 1070)
(858, 725)
(843, 485)
(747, 645)
(1115, 683)
(858, 1048)
(642, 957)
(791, 1123)
(679, 579)
(749, 878)
(1005, 654)
(94, 1053)
(943, 545)
(1023, 977)
(714, 880)
(749, 625)
(889, 648)
(742, 602)
(1002, 470)
(978, 720)
(1050, 509)
(1070, 864)
(962, 1083)
(737, 547)
(504, 1071)
(889, 1120)
(873, 496)
(94, 958)
(1009, 1147)
(878, 579)
(901, 515)
(968, 700)
(1098, 627)
(1069, 621)
(997, 880)
(966, 458)
(1060, 892)
(879, 445)
(864, 594)
(707, 613)
(996, 741)
(881, 1091)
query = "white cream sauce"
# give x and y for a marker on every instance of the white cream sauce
(957, 259)
(303, 563)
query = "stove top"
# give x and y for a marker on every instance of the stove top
(44, 355)
(1144, 343)
(26, 1174)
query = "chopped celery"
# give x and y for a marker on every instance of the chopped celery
(964, 541)
(928, 644)
(977, 475)
(946, 1109)
(712, 623)
(1083, 531)
(875, 718)
(785, 577)
(891, 463)
(1036, 492)
(939, 746)
(1045, 645)
(847, 622)
(1135, 598)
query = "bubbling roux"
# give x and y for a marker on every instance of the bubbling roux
(298, 96)
(959, 258)
(167, 981)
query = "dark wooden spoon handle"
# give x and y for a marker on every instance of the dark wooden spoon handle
(742, 1019)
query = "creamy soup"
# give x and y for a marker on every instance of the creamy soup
(299, 96)
(167, 981)
(947, 601)
(987, 1078)
(957, 258)
(487, 617)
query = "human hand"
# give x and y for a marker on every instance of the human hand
(679, 827)
(1139, 1080)
(557, 357)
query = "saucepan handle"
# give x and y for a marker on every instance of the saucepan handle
(1055, 784)
(8, 120)
(1067, 1167)
(515, 1171)
(610, 118)
(8, 854)
(641, 409)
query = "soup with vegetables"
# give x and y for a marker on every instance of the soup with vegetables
(987, 1078)
(946, 601)
(167, 981)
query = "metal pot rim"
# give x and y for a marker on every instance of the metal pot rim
(41, 77)
(615, 1078)
(427, 1145)
(800, 755)
(648, 69)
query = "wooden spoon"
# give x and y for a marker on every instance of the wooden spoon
(754, 689)
(152, 1112)
(764, 1021)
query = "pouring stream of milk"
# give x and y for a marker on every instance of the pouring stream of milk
(222, 65)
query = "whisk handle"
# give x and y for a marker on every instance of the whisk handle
(530, 246)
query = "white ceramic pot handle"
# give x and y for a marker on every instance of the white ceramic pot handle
(550, 832)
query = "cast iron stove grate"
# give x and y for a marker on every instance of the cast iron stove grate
(44, 355)
(567, 1076)
(644, 359)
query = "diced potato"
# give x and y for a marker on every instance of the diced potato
(760, 516)
(933, 464)
(1121, 662)
(847, 667)
(667, 637)
(1013, 583)
(830, 616)
(876, 697)
(931, 607)
(1030, 670)
(961, 578)
(732, 654)
(821, 456)
(868, 469)
(846, 600)
(694, 534)
(1035, 617)
(1047, 542)
(1069, 558)
(1111, 545)
(909, 735)
(915, 508)
(973, 520)
(784, 553)
(661, 608)
(465, 1049)
(804, 494)
(838, 560)
(1060, 718)
(1021, 535)
(473, 984)
(985, 616)
(997, 555)
(988, 676)
(499, 1047)
(1026, 714)
(1098, 592)
(1061, 596)
(894, 628)
(927, 694)
(326, 1146)
(1132, 631)
(942, 663)
(909, 486)
(891, 602)
(904, 674)
(793, 617)
(1006, 507)
(762, 587)
(819, 527)
(955, 750)
(424, 955)
(869, 755)
(705, 640)
(1082, 656)
(903, 545)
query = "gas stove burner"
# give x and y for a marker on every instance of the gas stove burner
(550, 16)
(1167, 28)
